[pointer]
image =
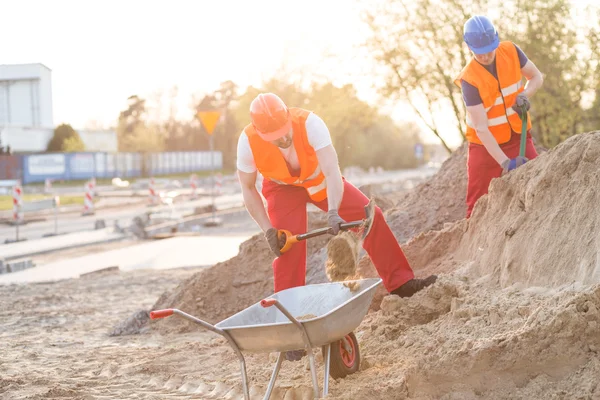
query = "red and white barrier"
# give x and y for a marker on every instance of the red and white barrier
(17, 202)
(218, 183)
(194, 186)
(153, 195)
(88, 200)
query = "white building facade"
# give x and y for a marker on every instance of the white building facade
(26, 118)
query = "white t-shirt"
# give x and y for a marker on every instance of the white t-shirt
(318, 137)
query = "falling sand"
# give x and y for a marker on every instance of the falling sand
(342, 259)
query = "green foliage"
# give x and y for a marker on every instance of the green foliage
(361, 136)
(419, 45)
(134, 132)
(65, 139)
(73, 144)
(566, 52)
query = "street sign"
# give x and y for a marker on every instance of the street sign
(419, 151)
(209, 119)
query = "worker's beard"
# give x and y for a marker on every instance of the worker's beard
(284, 142)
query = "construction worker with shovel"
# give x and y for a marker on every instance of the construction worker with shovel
(293, 151)
(497, 106)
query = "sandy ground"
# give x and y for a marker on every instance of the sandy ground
(515, 313)
(55, 343)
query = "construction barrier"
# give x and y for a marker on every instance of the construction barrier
(194, 186)
(17, 203)
(153, 195)
(85, 165)
(88, 200)
(218, 183)
(20, 207)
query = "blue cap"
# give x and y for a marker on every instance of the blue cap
(480, 35)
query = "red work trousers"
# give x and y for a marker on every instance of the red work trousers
(482, 168)
(286, 206)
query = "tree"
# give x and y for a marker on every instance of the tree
(65, 139)
(131, 122)
(419, 45)
(361, 135)
(134, 132)
(566, 51)
(73, 144)
(227, 130)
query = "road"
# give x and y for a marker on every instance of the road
(74, 222)
(69, 221)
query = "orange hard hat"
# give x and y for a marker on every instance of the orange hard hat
(270, 116)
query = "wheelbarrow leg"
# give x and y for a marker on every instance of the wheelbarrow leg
(326, 378)
(307, 345)
(313, 373)
(274, 376)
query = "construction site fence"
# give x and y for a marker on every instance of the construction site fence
(32, 168)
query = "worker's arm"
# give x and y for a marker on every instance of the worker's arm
(534, 78)
(253, 201)
(479, 120)
(328, 161)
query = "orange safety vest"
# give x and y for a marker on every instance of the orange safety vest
(498, 95)
(271, 164)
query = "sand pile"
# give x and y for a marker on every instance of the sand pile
(439, 200)
(226, 288)
(539, 225)
(518, 315)
(461, 340)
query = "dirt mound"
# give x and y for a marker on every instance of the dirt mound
(439, 200)
(226, 288)
(457, 340)
(539, 224)
(518, 315)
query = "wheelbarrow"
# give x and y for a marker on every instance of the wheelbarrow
(305, 317)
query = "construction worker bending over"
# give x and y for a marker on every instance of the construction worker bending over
(292, 149)
(493, 93)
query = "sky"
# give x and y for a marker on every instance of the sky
(101, 52)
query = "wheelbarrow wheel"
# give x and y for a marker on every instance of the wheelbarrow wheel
(345, 356)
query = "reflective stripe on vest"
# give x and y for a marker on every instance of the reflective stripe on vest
(271, 164)
(498, 95)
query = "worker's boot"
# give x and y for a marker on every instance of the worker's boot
(295, 355)
(414, 285)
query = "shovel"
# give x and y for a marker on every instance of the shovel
(523, 131)
(287, 239)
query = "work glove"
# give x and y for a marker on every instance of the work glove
(334, 220)
(273, 240)
(514, 163)
(521, 101)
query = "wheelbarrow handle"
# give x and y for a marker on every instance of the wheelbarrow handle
(170, 311)
(268, 302)
(161, 313)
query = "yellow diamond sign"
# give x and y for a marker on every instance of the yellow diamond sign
(209, 120)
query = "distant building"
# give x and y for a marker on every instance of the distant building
(26, 118)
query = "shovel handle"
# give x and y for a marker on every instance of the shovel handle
(523, 131)
(288, 239)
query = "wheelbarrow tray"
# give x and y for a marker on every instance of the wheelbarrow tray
(336, 311)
